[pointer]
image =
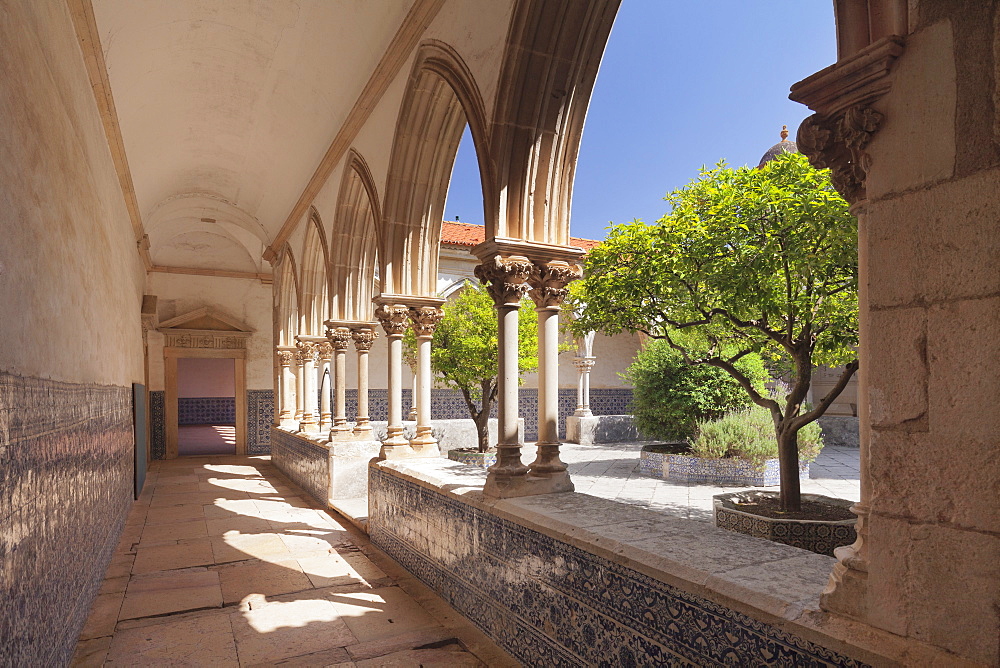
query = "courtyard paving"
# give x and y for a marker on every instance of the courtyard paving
(224, 562)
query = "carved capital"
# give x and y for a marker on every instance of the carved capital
(549, 280)
(340, 337)
(309, 351)
(285, 357)
(839, 143)
(425, 319)
(506, 279)
(325, 351)
(584, 364)
(393, 317)
(364, 338)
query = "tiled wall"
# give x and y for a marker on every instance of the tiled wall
(66, 458)
(304, 462)
(206, 410)
(260, 415)
(549, 603)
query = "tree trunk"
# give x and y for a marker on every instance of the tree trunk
(788, 461)
(483, 428)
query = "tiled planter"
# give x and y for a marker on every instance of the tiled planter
(729, 472)
(818, 536)
(480, 459)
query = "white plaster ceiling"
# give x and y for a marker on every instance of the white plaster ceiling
(227, 107)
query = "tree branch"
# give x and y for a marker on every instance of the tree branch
(825, 402)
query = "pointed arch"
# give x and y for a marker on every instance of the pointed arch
(315, 277)
(441, 97)
(286, 291)
(357, 234)
(550, 64)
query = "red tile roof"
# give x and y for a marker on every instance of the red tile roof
(468, 234)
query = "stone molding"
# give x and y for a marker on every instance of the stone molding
(842, 95)
(364, 338)
(425, 319)
(205, 339)
(549, 282)
(393, 318)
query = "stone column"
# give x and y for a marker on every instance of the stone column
(340, 338)
(414, 391)
(286, 413)
(425, 320)
(363, 337)
(583, 365)
(325, 416)
(310, 419)
(506, 280)
(394, 320)
(300, 392)
(548, 290)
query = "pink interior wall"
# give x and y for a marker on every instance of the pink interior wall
(206, 377)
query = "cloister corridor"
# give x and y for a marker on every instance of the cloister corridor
(224, 562)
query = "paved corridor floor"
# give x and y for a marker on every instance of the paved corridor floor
(224, 562)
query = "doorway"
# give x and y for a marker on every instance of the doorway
(206, 406)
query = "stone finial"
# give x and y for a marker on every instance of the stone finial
(548, 282)
(364, 338)
(393, 317)
(340, 337)
(425, 319)
(784, 132)
(506, 279)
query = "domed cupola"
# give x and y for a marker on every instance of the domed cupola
(783, 146)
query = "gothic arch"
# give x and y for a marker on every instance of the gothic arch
(286, 291)
(550, 64)
(441, 97)
(357, 234)
(314, 301)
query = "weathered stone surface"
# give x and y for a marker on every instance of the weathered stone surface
(205, 640)
(172, 591)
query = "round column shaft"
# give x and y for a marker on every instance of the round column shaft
(547, 459)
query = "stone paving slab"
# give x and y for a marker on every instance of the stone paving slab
(226, 563)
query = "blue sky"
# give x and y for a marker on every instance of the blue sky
(682, 84)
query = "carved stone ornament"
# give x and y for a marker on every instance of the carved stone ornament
(188, 340)
(584, 363)
(325, 351)
(425, 319)
(364, 338)
(506, 279)
(548, 282)
(309, 351)
(839, 143)
(394, 318)
(340, 337)
(285, 357)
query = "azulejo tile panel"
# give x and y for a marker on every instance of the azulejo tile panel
(66, 458)
(260, 418)
(552, 604)
(304, 462)
(206, 410)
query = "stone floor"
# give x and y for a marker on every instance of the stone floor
(224, 562)
(611, 471)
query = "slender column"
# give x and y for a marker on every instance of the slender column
(425, 320)
(310, 421)
(548, 282)
(506, 281)
(414, 391)
(300, 392)
(286, 413)
(393, 318)
(325, 416)
(583, 365)
(340, 338)
(363, 337)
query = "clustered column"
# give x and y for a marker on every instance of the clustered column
(325, 416)
(300, 379)
(363, 337)
(310, 355)
(425, 320)
(394, 320)
(340, 338)
(583, 365)
(286, 413)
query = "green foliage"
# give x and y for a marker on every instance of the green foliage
(749, 434)
(671, 397)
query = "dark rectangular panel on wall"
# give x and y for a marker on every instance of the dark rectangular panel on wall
(141, 436)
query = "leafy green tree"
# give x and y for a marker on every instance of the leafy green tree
(753, 260)
(672, 397)
(464, 351)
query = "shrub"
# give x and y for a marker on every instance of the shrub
(749, 434)
(670, 397)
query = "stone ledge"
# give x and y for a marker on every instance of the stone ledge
(776, 584)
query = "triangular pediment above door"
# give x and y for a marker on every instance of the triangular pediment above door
(205, 319)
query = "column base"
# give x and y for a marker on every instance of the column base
(424, 444)
(846, 593)
(309, 427)
(288, 424)
(507, 487)
(363, 428)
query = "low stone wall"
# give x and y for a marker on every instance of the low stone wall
(841, 431)
(450, 434)
(601, 429)
(571, 579)
(303, 461)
